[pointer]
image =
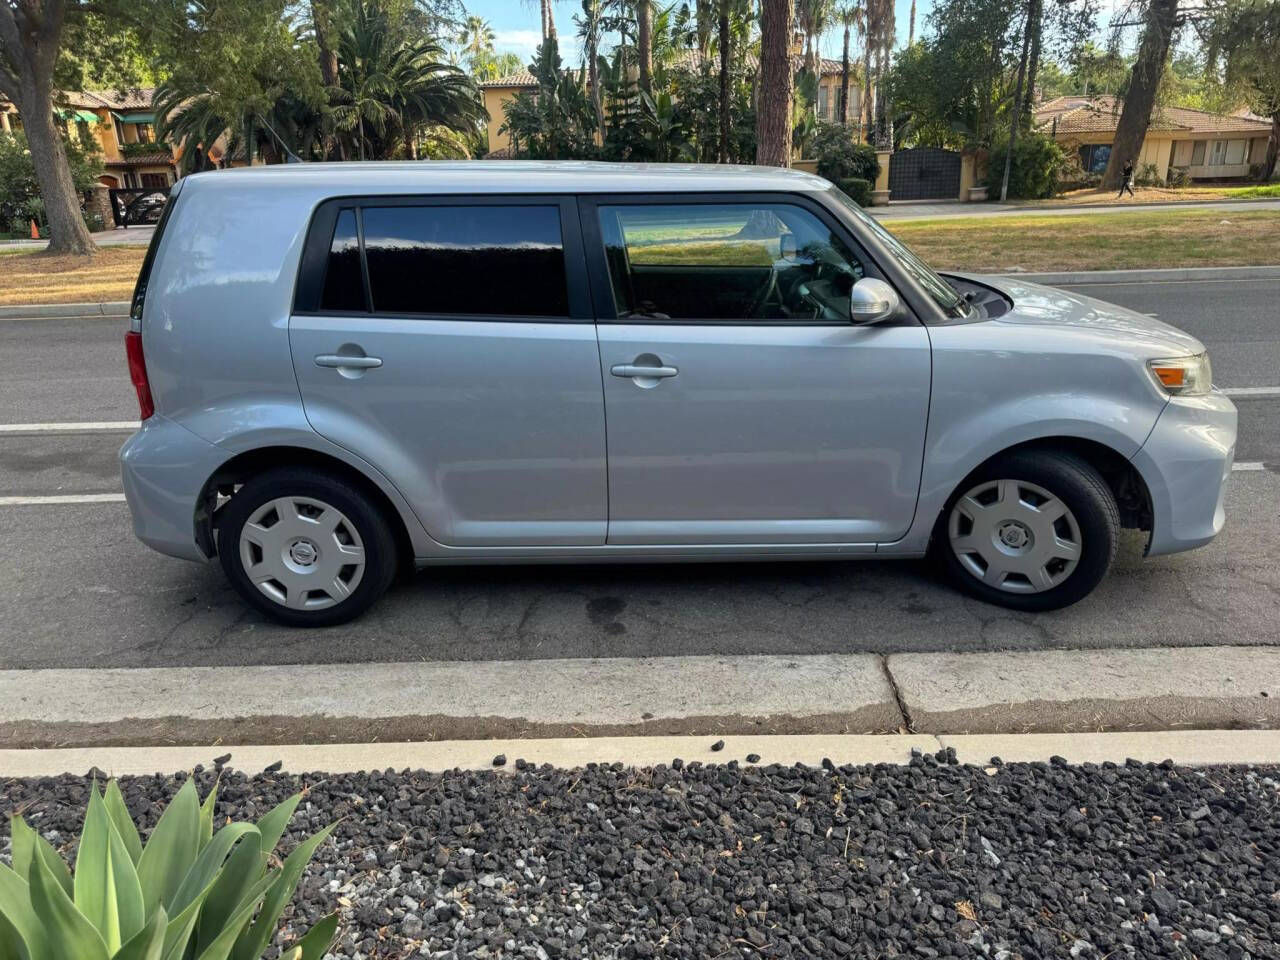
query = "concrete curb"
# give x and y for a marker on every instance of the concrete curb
(110, 308)
(1192, 748)
(1051, 691)
(1163, 275)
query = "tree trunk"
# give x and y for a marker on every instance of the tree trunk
(322, 20)
(1273, 148)
(844, 81)
(865, 108)
(644, 44)
(1144, 79)
(705, 20)
(1033, 65)
(548, 20)
(911, 29)
(67, 231)
(28, 53)
(1017, 99)
(725, 42)
(359, 124)
(773, 113)
(597, 95)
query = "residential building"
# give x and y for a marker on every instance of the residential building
(1207, 146)
(498, 93)
(122, 124)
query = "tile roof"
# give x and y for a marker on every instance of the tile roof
(1101, 114)
(136, 98)
(684, 59)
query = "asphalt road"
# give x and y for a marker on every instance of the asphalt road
(80, 591)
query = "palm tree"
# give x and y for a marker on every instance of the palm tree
(590, 28)
(773, 114)
(476, 39)
(812, 16)
(392, 86)
(852, 17)
(644, 44)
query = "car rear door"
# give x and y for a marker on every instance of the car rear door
(741, 404)
(449, 342)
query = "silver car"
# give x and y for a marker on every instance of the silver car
(346, 369)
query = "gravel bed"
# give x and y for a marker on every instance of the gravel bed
(719, 861)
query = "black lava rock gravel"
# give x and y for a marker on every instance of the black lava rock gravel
(928, 860)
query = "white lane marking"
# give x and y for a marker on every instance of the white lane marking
(88, 426)
(61, 499)
(1249, 465)
(1251, 391)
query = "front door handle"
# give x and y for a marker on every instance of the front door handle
(339, 361)
(639, 370)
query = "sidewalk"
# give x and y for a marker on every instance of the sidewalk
(138, 236)
(954, 209)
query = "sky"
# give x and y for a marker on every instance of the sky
(516, 22)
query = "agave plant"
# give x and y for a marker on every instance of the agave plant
(188, 894)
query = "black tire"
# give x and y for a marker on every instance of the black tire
(1084, 491)
(380, 554)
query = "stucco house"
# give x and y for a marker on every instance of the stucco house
(123, 126)
(498, 93)
(1208, 146)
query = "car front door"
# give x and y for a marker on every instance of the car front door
(741, 404)
(449, 342)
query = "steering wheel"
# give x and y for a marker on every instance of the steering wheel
(769, 290)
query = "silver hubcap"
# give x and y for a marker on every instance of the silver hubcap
(1014, 536)
(302, 553)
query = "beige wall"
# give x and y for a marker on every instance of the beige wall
(494, 101)
(1159, 148)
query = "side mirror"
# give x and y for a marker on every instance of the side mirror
(872, 300)
(787, 246)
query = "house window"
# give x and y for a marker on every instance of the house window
(155, 181)
(1219, 155)
(1197, 154)
(1094, 157)
(1236, 150)
(823, 103)
(144, 132)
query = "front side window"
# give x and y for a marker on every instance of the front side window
(476, 260)
(726, 262)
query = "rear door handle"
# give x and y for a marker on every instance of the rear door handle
(639, 370)
(337, 360)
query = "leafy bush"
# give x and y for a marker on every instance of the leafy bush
(1036, 172)
(18, 185)
(1148, 175)
(841, 158)
(189, 892)
(858, 190)
(1179, 177)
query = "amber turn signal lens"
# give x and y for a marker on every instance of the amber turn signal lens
(1171, 376)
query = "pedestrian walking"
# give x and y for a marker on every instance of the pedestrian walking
(1126, 180)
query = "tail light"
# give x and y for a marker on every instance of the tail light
(138, 373)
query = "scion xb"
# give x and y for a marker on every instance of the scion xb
(347, 369)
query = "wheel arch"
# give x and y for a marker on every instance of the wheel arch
(1122, 477)
(220, 486)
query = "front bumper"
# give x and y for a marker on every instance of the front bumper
(1186, 462)
(164, 468)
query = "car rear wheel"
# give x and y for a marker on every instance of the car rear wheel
(305, 548)
(1034, 530)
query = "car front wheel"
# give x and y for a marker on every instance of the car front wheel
(305, 548)
(1033, 530)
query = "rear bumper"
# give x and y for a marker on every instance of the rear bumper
(164, 468)
(1186, 463)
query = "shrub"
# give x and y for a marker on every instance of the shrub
(1148, 176)
(1037, 169)
(187, 892)
(858, 190)
(1179, 177)
(840, 157)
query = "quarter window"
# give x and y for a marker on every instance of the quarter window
(477, 260)
(343, 283)
(726, 262)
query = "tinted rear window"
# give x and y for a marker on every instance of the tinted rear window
(144, 275)
(343, 283)
(479, 260)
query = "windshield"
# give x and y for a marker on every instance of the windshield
(934, 285)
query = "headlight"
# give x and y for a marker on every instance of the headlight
(1183, 376)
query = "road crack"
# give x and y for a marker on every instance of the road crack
(907, 723)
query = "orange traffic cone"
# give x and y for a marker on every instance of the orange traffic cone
(35, 234)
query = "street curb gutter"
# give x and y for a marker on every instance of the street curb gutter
(1189, 748)
(30, 311)
(1049, 691)
(1162, 275)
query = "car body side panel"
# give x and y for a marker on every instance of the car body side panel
(997, 385)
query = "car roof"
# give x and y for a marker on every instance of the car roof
(518, 176)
